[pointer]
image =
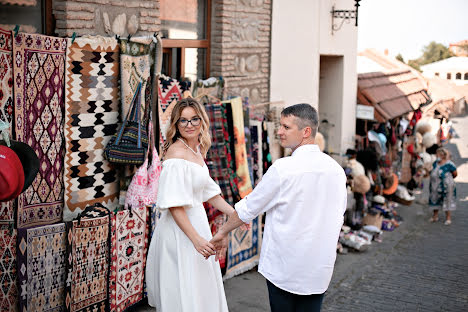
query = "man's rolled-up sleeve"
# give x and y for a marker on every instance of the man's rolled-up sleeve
(264, 197)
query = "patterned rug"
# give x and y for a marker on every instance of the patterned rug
(129, 245)
(41, 268)
(212, 87)
(8, 289)
(244, 249)
(240, 151)
(6, 102)
(256, 136)
(219, 159)
(135, 66)
(39, 66)
(91, 118)
(169, 92)
(88, 261)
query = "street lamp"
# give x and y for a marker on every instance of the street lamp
(345, 15)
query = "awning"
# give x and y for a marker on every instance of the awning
(393, 93)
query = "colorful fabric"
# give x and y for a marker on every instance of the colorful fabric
(41, 268)
(129, 245)
(91, 118)
(266, 156)
(212, 87)
(6, 103)
(6, 76)
(8, 289)
(215, 224)
(247, 135)
(244, 249)
(442, 188)
(135, 66)
(169, 92)
(87, 261)
(39, 66)
(256, 143)
(218, 158)
(242, 168)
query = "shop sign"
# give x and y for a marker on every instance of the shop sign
(364, 112)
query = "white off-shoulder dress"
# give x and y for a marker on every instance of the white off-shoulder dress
(178, 278)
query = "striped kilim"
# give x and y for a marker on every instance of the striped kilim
(8, 277)
(6, 102)
(88, 261)
(39, 67)
(129, 245)
(42, 268)
(91, 118)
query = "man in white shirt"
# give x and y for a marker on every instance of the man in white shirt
(304, 197)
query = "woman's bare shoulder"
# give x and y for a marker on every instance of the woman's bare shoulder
(176, 150)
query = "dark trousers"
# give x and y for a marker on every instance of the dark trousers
(283, 301)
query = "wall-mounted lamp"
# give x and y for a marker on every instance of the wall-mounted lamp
(345, 15)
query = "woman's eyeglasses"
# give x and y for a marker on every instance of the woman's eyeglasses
(194, 122)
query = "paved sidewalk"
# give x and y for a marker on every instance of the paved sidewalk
(418, 267)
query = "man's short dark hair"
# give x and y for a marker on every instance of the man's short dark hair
(307, 116)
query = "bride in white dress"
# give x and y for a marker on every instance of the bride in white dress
(181, 275)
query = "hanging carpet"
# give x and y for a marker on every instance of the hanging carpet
(8, 277)
(88, 260)
(91, 118)
(129, 245)
(6, 103)
(41, 268)
(256, 135)
(39, 66)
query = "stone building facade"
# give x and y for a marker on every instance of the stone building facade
(240, 35)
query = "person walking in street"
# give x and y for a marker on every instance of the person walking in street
(180, 274)
(304, 197)
(442, 190)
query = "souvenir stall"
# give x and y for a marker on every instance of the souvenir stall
(82, 122)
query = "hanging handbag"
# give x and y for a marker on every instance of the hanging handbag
(143, 189)
(128, 146)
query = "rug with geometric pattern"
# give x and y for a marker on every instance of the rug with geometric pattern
(42, 268)
(91, 119)
(88, 261)
(129, 245)
(39, 68)
(8, 277)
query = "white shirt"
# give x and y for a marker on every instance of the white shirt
(304, 197)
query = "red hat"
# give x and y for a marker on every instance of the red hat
(11, 174)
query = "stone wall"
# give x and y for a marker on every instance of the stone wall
(106, 17)
(240, 42)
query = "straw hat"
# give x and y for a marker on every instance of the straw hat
(423, 126)
(391, 184)
(429, 139)
(361, 184)
(320, 141)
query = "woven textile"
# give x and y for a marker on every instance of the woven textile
(244, 249)
(8, 288)
(256, 136)
(135, 66)
(129, 245)
(39, 65)
(87, 260)
(6, 102)
(6, 76)
(212, 87)
(240, 151)
(169, 92)
(41, 268)
(91, 118)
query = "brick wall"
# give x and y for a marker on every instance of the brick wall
(240, 41)
(106, 17)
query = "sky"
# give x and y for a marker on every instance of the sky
(406, 26)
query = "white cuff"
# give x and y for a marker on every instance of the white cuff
(242, 211)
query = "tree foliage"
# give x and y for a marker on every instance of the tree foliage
(434, 52)
(400, 58)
